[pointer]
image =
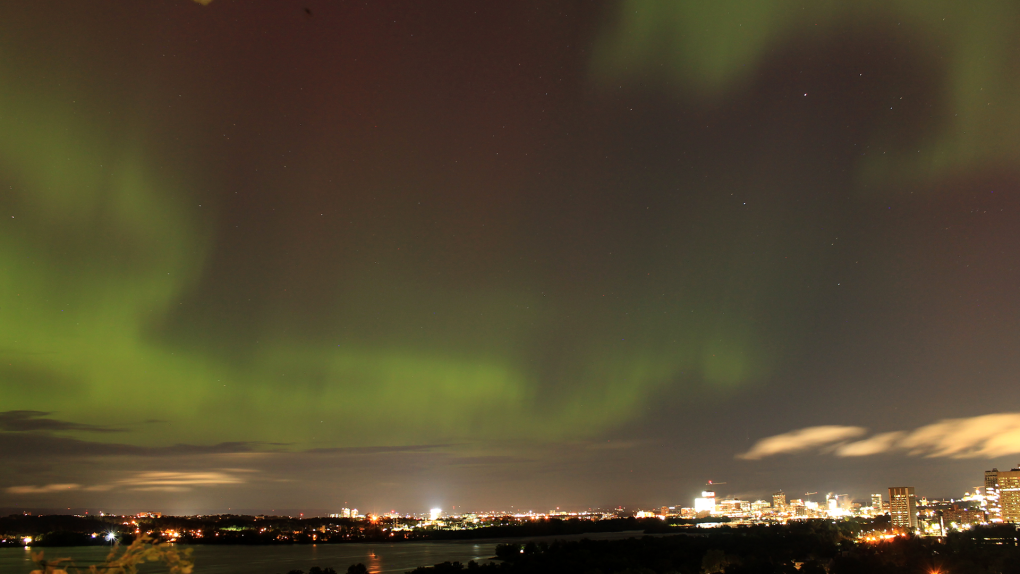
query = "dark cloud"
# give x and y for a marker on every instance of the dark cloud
(379, 449)
(23, 421)
(41, 445)
(486, 460)
(14, 445)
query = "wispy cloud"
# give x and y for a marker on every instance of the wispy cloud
(876, 444)
(985, 436)
(178, 480)
(801, 440)
(146, 482)
(45, 489)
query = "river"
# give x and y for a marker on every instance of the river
(379, 558)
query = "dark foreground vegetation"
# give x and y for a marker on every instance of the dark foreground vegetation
(803, 548)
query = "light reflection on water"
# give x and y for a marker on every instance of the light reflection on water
(374, 563)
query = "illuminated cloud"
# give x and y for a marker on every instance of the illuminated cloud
(177, 481)
(45, 489)
(872, 445)
(145, 482)
(800, 440)
(985, 436)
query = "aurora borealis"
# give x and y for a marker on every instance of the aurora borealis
(512, 251)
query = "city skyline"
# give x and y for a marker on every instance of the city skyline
(993, 502)
(539, 253)
(997, 497)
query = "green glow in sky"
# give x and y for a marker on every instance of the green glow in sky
(714, 49)
(101, 249)
(112, 243)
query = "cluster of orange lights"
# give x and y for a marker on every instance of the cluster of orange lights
(874, 537)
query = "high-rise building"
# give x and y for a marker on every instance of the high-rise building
(903, 507)
(992, 502)
(779, 500)
(1008, 483)
(876, 503)
(991, 478)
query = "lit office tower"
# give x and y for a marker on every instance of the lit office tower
(992, 502)
(876, 503)
(1009, 494)
(779, 500)
(903, 506)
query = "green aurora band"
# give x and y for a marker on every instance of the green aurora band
(102, 250)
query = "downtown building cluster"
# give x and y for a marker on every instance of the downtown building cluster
(996, 501)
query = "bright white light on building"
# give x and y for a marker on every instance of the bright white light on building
(435, 513)
(704, 504)
(111, 536)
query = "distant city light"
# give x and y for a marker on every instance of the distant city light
(435, 513)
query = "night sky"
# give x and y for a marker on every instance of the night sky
(291, 255)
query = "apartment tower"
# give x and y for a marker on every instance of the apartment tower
(903, 506)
